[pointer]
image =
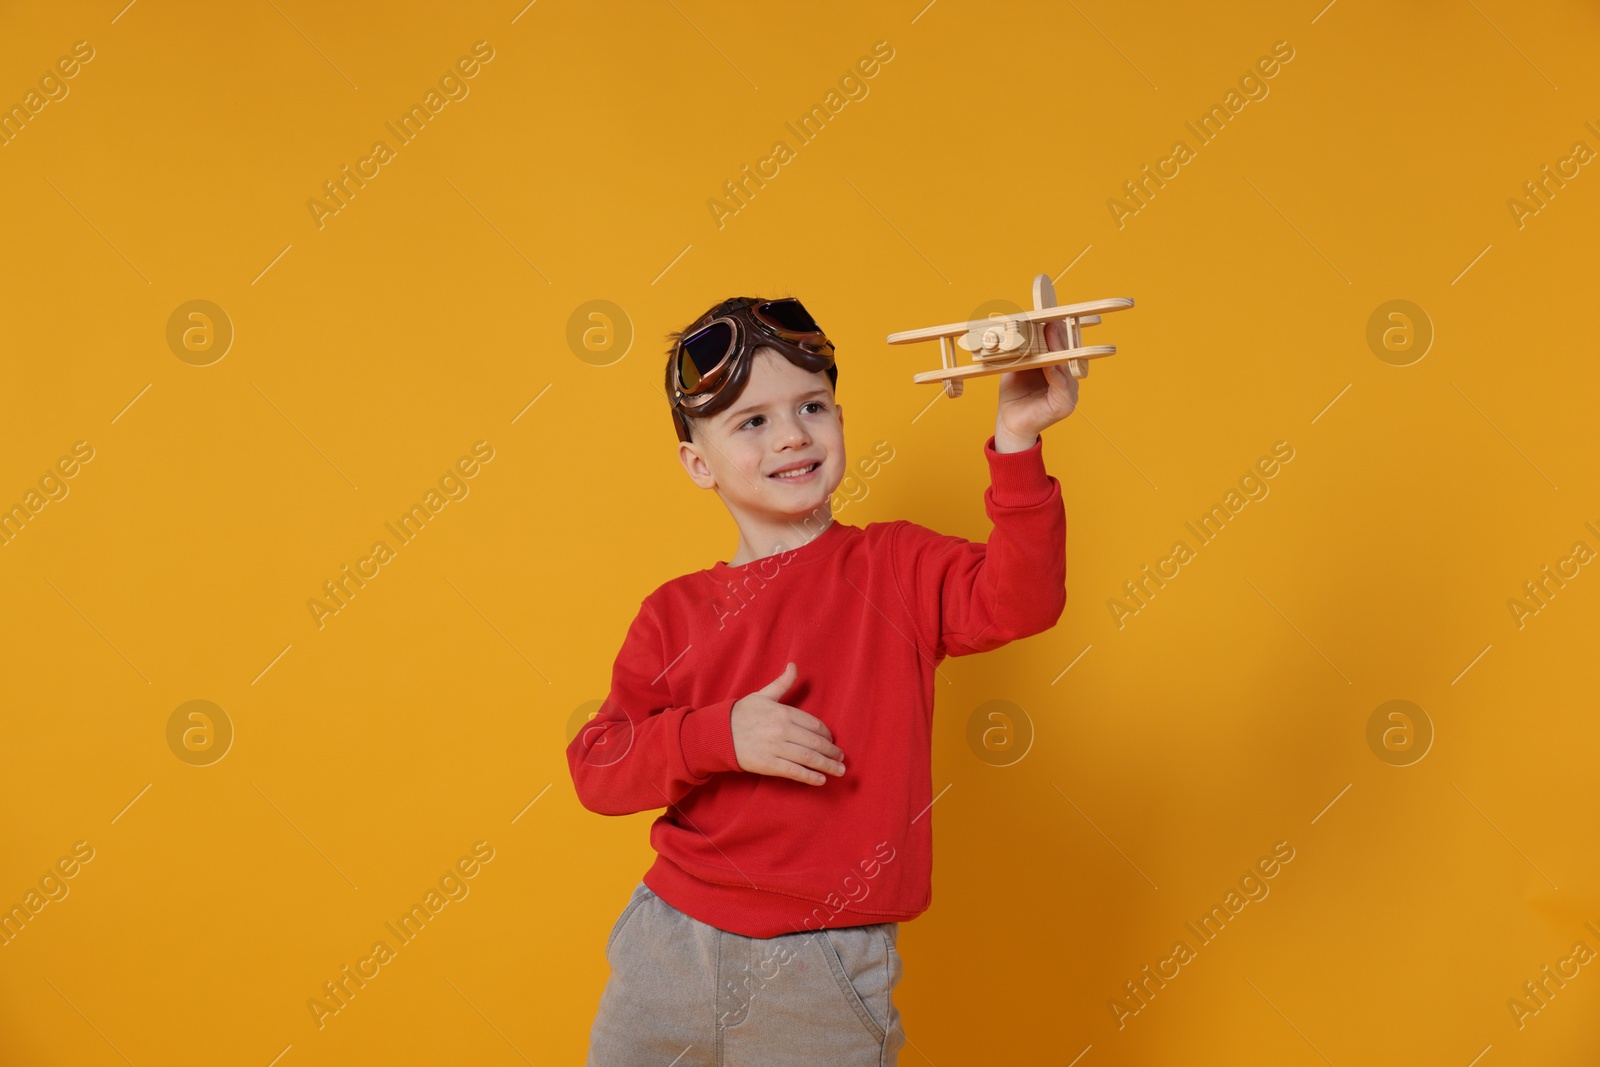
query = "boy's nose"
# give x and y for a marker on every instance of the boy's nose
(794, 432)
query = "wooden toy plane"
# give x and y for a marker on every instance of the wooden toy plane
(1016, 342)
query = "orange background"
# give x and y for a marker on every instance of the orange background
(432, 311)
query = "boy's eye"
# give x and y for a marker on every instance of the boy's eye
(808, 404)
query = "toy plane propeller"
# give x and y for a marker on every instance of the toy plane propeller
(1015, 342)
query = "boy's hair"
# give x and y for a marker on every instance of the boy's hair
(682, 421)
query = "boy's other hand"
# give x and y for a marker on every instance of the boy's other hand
(1032, 399)
(774, 738)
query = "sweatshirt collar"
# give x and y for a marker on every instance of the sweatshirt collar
(820, 545)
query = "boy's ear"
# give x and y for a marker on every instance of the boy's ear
(695, 464)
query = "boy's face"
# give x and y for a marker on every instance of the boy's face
(785, 416)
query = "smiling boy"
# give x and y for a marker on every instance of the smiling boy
(779, 707)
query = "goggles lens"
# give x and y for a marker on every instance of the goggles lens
(702, 352)
(790, 315)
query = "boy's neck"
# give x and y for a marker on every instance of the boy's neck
(758, 539)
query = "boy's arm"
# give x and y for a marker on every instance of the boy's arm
(981, 596)
(640, 751)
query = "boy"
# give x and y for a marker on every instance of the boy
(779, 706)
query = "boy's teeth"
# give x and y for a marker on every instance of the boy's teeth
(796, 472)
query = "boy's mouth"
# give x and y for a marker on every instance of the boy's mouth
(797, 474)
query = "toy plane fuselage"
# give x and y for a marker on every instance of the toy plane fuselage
(1018, 341)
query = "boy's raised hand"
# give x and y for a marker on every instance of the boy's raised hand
(774, 738)
(1034, 398)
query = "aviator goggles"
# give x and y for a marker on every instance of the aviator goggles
(718, 354)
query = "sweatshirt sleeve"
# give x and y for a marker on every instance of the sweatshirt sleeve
(971, 596)
(641, 751)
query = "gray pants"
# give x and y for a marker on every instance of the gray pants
(686, 994)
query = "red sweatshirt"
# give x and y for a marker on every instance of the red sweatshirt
(865, 614)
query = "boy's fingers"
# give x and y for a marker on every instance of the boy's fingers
(808, 721)
(808, 757)
(781, 684)
(790, 769)
(815, 743)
